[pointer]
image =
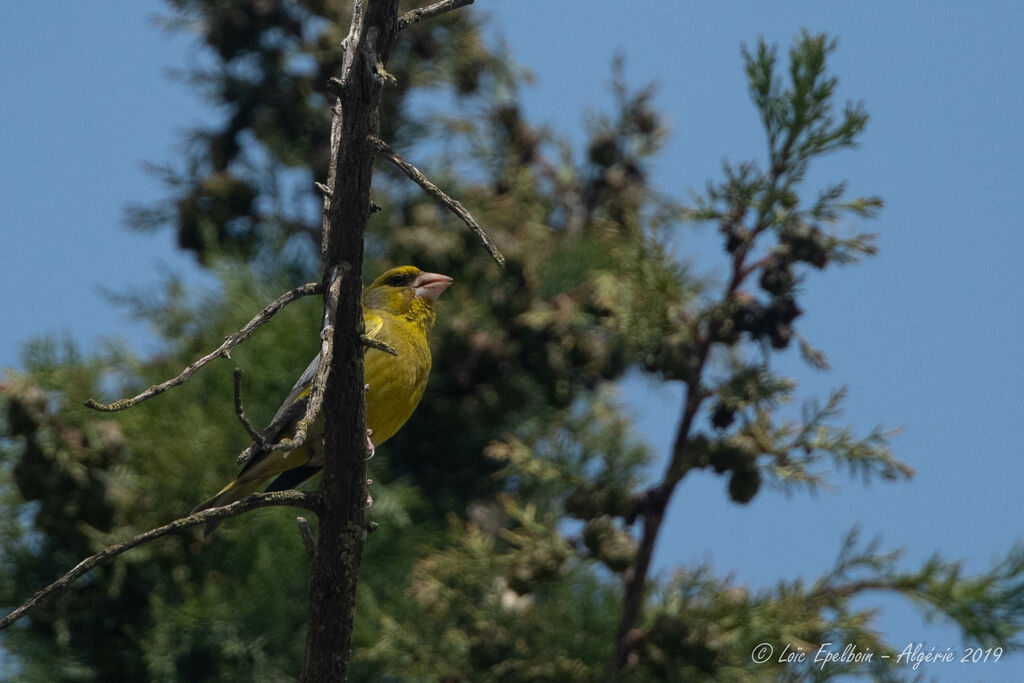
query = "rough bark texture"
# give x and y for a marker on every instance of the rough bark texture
(343, 487)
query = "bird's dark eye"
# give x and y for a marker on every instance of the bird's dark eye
(396, 280)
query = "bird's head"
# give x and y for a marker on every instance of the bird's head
(406, 291)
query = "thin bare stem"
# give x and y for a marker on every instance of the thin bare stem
(439, 196)
(265, 442)
(222, 351)
(378, 344)
(301, 499)
(419, 14)
(240, 410)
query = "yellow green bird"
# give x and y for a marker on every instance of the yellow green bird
(398, 309)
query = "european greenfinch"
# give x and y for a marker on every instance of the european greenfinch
(398, 309)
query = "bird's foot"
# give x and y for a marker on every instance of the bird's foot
(369, 498)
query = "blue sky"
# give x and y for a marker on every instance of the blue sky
(926, 335)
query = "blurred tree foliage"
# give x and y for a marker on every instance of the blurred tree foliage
(508, 505)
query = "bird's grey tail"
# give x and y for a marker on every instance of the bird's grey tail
(211, 525)
(229, 494)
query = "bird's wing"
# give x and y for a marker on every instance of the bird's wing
(292, 409)
(297, 397)
(296, 400)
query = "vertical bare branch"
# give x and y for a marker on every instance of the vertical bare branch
(346, 211)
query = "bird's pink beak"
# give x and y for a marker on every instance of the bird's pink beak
(430, 285)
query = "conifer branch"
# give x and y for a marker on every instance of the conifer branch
(851, 588)
(439, 196)
(301, 499)
(222, 351)
(766, 194)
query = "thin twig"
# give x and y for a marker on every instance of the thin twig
(265, 443)
(240, 410)
(307, 537)
(378, 344)
(257, 500)
(222, 351)
(419, 14)
(439, 196)
(316, 390)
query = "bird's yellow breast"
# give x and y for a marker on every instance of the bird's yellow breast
(396, 383)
